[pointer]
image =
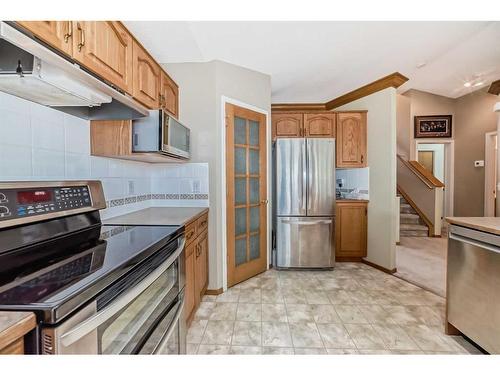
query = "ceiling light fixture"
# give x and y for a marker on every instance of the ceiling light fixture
(467, 84)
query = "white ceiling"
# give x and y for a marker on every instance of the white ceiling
(318, 61)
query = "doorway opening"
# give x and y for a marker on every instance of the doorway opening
(490, 173)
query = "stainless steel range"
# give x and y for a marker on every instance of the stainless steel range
(94, 289)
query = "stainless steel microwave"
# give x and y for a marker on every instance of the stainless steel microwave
(162, 133)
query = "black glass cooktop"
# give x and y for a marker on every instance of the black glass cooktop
(70, 269)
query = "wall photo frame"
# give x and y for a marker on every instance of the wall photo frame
(433, 126)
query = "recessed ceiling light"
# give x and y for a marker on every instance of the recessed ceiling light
(478, 84)
(467, 84)
(421, 64)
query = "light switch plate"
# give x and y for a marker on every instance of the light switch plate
(479, 163)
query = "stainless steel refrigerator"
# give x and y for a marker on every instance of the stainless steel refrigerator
(304, 199)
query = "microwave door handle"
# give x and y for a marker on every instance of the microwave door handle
(170, 329)
(90, 324)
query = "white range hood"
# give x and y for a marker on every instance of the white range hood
(32, 71)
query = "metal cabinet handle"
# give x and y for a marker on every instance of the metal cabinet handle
(82, 36)
(170, 330)
(102, 316)
(264, 201)
(473, 242)
(69, 33)
(362, 158)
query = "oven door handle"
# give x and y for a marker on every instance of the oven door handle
(102, 316)
(170, 329)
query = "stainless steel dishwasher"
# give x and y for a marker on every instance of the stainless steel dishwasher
(473, 286)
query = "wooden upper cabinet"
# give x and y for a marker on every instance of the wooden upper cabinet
(351, 140)
(56, 33)
(169, 95)
(105, 47)
(287, 125)
(146, 78)
(351, 229)
(317, 125)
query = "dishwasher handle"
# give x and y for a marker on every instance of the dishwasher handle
(473, 242)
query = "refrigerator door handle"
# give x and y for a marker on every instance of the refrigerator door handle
(306, 222)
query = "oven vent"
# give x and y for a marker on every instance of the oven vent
(47, 342)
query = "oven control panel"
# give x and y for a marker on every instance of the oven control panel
(17, 203)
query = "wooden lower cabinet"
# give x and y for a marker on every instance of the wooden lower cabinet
(196, 259)
(351, 230)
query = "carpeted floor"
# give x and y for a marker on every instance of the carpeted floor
(422, 261)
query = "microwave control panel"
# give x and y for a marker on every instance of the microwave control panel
(19, 203)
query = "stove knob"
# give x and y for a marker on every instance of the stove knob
(4, 211)
(3, 198)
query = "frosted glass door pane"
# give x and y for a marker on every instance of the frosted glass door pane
(254, 190)
(240, 250)
(254, 247)
(254, 162)
(240, 160)
(254, 133)
(240, 191)
(240, 131)
(240, 221)
(254, 219)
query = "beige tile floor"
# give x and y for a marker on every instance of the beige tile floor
(354, 309)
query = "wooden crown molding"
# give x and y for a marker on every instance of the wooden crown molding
(395, 80)
(495, 88)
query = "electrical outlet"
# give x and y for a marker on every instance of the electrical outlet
(196, 186)
(131, 187)
(479, 163)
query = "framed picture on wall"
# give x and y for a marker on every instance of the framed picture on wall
(433, 126)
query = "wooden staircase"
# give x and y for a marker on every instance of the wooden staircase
(410, 224)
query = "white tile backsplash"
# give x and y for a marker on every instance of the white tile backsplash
(40, 143)
(356, 178)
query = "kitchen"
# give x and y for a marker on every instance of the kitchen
(132, 224)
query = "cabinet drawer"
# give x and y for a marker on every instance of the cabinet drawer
(202, 223)
(190, 232)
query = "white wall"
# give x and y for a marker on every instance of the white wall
(40, 143)
(381, 158)
(202, 88)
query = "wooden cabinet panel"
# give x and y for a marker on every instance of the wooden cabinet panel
(351, 229)
(202, 223)
(317, 125)
(15, 347)
(287, 125)
(169, 95)
(190, 255)
(146, 86)
(190, 232)
(201, 273)
(56, 33)
(351, 140)
(105, 47)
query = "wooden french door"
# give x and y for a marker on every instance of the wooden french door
(246, 198)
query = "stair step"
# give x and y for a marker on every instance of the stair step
(407, 209)
(412, 233)
(410, 218)
(414, 227)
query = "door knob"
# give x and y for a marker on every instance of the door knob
(264, 201)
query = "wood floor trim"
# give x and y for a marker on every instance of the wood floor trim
(214, 292)
(395, 80)
(380, 268)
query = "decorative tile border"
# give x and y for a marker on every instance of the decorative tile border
(145, 197)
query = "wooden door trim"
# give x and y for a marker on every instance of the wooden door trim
(232, 109)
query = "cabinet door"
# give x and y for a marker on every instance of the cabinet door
(351, 140)
(351, 229)
(146, 78)
(201, 274)
(56, 33)
(105, 47)
(169, 95)
(287, 125)
(190, 281)
(319, 125)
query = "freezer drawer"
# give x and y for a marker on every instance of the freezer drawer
(473, 278)
(305, 242)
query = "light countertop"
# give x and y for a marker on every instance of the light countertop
(485, 224)
(351, 200)
(158, 216)
(15, 324)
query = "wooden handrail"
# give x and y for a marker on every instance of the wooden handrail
(421, 172)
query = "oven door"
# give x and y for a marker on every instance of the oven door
(175, 137)
(124, 324)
